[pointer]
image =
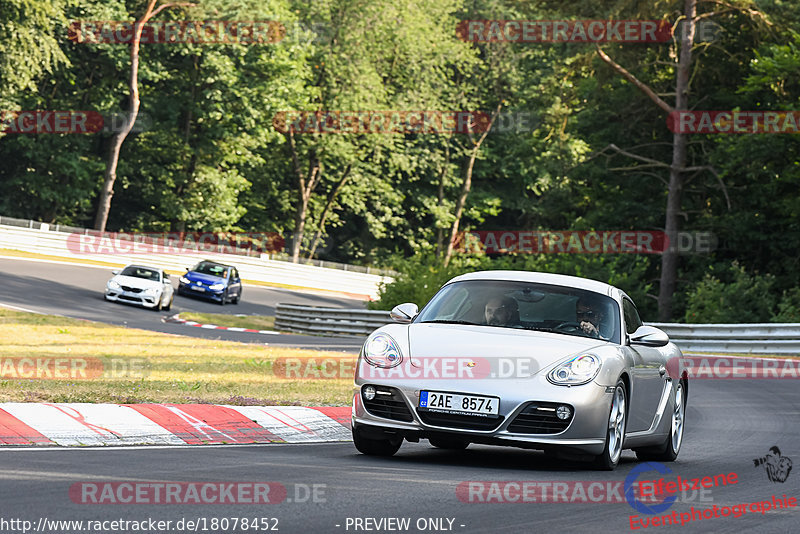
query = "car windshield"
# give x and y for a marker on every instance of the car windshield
(527, 306)
(141, 272)
(213, 269)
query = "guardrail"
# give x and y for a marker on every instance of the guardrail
(329, 321)
(753, 338)
(42, 239)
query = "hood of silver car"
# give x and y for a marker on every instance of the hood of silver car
(488, 344)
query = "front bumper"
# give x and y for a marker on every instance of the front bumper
(201, 291)
(130, 297)
(585, 432)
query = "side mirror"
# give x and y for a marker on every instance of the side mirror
(404, 313)
(116, 272)
(649, 336)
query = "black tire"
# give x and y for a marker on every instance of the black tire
(237, 297)
(451, 444)
(169, 304)
(668, 450)
(223, 298)
(376, 447)
(615, 433)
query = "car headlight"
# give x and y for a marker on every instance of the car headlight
(576, 371)
(217, 287)
(152, 291)
(113, 285)
(185, 280)
(382, 351)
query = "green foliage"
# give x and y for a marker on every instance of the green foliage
(736, 298)
(788, 307)
(422, 275)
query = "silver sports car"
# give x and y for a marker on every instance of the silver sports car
(533, 360)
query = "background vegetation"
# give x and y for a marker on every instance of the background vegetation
(207, 156)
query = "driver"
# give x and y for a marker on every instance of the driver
(591, 315)
(502, 311)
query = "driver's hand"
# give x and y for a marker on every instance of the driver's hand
(590, 329)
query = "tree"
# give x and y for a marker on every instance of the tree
(110, 176)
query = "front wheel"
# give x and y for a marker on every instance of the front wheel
(223, 298)
(669, 449)
(615, 433)
(376, 447)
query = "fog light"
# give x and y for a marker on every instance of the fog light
(563, 412)
(369, 393)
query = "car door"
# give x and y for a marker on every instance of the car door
(649, 374)
(236, 283)
(168, 289)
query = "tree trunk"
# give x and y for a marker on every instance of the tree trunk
(326, 211)
(466, 187)
(305, 186)
(110, 175)
(440, 198)
(669, 259)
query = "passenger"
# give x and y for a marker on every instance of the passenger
(590, 315)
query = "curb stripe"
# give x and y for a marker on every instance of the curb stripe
(199, 424)
(15, 432)
(79, 424)
(176, 319)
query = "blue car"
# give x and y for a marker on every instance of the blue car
(211, 280)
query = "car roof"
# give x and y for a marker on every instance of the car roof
(542, 278)
(159, 269)
(214, 263)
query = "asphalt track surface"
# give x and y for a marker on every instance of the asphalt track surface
(77, 291)
(729, 423)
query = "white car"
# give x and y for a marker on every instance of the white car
(138, 284)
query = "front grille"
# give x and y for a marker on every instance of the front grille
(540, 418)
(391, 406)
(464, 422)
(129, 298)
(131, 289)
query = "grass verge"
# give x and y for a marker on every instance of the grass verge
(125, 365)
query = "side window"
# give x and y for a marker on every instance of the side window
(632, 320)
(235, 274)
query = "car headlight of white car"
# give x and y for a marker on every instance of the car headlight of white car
(575, 371)
(217, 287)
(382, 351)
(153, 291)
(113, 285)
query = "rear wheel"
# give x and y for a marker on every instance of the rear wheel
(453, 444)
(376, 447)
(615, 433)
(669, 449)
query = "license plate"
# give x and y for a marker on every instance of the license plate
(198, 288)
(439, 401)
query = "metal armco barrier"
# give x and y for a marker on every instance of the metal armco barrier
(43, 239)
(752, 338)
(329, 321)
(755, 338)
